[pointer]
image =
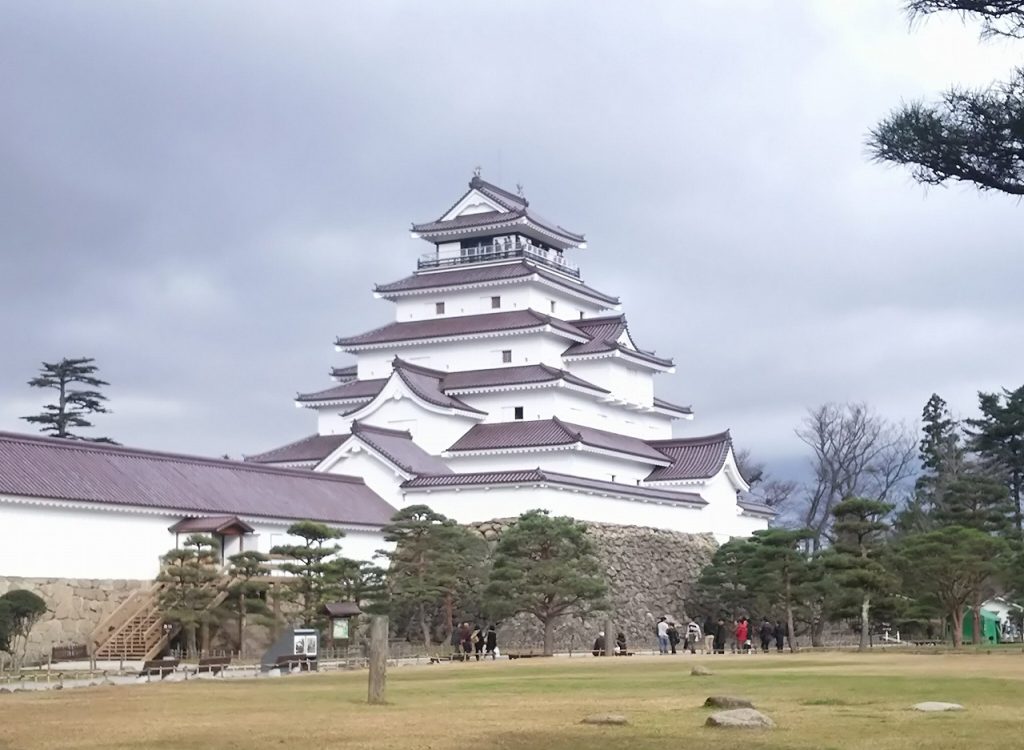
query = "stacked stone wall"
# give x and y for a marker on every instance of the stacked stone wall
(74, 608)
(650, 573)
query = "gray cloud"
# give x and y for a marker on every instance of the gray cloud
(202, 200)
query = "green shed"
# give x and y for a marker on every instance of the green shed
(989, 627)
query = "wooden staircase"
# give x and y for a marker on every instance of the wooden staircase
(135, 630)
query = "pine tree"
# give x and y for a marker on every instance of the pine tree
(859, 541)
(432, 564)
(319, 573)
(189, 578)
(942, 459)
(73, 404)
(546, 567)
(998, 438)
(951, 568)
(776, 559)
(247, 588)
(20, 610)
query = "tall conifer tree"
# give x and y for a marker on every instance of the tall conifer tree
(73, 405)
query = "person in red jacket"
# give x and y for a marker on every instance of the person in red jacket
(742, 634)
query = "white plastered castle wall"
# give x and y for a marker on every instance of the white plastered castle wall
(523, 295)
(630, 383)
(92, 541)
(567, 461)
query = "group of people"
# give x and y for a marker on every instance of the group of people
(471, 640)
(714, 635)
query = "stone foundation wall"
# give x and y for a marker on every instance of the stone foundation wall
(650, 573)
(75, 607)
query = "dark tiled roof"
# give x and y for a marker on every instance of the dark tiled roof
(755, 508)
(426, 384)
(497, 377)
(87, 472)
(604, 333)
(463, 275)
(661, 403)
(516, 208)
(210, 525)
(462, 325)
(344, 374)
(352, 389)
(398, 447)
(692, 458)
(540, 476)
(521, 375)
(342, 609)
(551, 432)
(314, 448)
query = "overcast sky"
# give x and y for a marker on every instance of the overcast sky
(201, 196)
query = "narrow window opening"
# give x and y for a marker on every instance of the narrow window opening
(439, 308)
(506, 356)
(517, 413)
(495, 303)
(553, 305)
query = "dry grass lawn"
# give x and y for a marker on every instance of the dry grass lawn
(818, 701)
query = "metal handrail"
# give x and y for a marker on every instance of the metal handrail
(489, 253)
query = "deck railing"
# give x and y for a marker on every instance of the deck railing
(491, 253)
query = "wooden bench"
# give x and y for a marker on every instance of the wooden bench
(213, 664)
(71, 652)
(291, 661)
(159, 667)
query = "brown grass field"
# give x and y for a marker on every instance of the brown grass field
(819, 701)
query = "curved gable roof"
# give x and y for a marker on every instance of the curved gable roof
(692, 458)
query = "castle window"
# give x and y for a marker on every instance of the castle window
(506, 356)
(552, 305)
(439, 308)
(495, 303)
(517, 412)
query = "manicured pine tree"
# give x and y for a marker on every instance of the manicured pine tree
(722, 587)
(777, 559)
(545, 566)
(997, 436)
(20, 610)
(950, 568)
(859, 541)
(73, 404)
(432, 561)
(246, 591)
(319, 572)
(190, 577)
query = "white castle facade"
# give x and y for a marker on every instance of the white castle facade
(504, 383)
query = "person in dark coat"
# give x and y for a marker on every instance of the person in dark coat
(673, 636)
(478, 641)
(466, 640)
(721, 633)
(709, 635)
(491, 642)
(767, 633)
(780, 636)
(599, 644)
(620, 644)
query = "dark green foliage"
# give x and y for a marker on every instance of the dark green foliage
(546, 567)
(969, 135)
(246, 592)
(859, 543)
(434, 565)
(320, 573)
(978, 502)
(951, 569)
(190, 580)
(20, 610)
(73, 404)
(997, 436)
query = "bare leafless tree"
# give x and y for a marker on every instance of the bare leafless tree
(763, 486)
(855, 453)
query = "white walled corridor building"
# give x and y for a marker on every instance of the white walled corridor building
(505, 383)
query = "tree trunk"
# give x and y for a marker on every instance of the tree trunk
(425, 626)
(449, 617)
(789, 614)
(204, 639)
(958, 627)
(549, 637)
(976, 624)
(378, 659)
(190, 640)
(241, 624)
(865, 622)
